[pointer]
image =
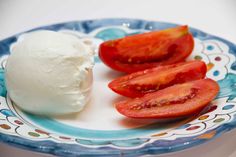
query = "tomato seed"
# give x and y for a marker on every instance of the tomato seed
(179, 100)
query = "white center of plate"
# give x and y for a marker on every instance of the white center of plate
(100, 113)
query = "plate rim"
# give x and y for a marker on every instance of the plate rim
(61, 149)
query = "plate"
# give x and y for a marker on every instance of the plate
(101, 131)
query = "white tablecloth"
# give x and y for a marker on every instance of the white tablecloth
(216, 17)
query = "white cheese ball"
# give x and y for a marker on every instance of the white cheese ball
(49, 73)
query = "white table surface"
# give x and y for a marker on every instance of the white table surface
(216, 17)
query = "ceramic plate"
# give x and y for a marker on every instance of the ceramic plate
(100, 130)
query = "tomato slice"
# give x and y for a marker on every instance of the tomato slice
(176, 101)
(142, 51)
(150, 80)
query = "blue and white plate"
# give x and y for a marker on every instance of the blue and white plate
(100, 130)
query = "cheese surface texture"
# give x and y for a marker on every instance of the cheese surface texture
(49, 73)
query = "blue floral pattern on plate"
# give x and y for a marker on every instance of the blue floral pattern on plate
(216, 119)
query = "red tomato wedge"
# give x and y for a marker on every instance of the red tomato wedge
(142, 51)
(176, 101)
(150, 80)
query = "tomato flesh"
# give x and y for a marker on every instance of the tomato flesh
(150, 80)
(176, 101)
(142, 51)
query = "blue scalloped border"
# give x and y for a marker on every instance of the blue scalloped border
(157, 147)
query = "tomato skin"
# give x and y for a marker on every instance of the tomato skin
(176, 101)
(142, 51)
(150, 80)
